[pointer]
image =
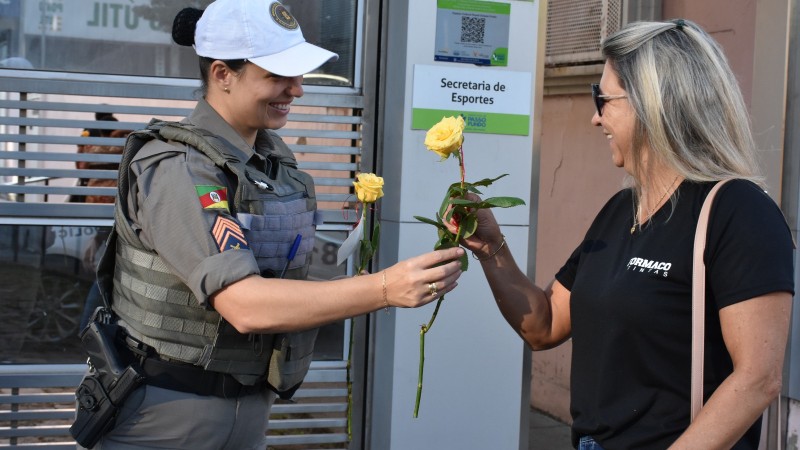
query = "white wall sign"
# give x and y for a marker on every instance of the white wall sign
(491, 100)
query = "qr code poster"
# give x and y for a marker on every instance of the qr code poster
(472, 32)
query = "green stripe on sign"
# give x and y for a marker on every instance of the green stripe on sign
(476, 122)
(476, 6)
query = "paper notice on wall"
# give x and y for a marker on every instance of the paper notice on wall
(472, 32)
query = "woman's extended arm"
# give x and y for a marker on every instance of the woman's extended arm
(540, 316)
(755, 333)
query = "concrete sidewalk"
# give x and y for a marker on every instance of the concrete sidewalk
(547, 433)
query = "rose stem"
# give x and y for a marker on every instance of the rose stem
(424, 329)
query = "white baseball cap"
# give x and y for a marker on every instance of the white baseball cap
(260, 31)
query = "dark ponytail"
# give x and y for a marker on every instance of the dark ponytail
(184, 25)
(183, 30)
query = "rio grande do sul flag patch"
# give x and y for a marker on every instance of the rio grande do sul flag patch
(212, 197)
(228, 235)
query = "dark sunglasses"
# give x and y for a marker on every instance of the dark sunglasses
(600, 99)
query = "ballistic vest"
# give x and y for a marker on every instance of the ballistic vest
(157, 308)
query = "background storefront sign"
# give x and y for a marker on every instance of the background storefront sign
(491, 101)
(97, 20)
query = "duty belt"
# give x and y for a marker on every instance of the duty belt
(182, 377)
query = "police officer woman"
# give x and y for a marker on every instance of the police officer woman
(205, 219)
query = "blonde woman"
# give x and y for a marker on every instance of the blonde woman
(676, 123)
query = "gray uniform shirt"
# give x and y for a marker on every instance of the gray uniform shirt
(165, 206)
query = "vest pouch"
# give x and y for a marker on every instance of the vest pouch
(291, 357)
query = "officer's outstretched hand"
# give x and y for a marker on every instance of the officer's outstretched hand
(422, 279)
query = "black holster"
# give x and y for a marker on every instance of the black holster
(111, 379)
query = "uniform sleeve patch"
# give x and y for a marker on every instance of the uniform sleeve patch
(228, 235)
(212, 197)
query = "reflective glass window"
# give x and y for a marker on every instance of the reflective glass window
(133, 37)
(47, 291)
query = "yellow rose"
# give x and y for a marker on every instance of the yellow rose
(369, 187)
(445, 137)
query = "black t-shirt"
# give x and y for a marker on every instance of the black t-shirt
(631, 308)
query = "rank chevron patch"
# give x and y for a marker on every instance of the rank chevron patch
(228, 235)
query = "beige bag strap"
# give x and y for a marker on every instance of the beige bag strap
(699, 301)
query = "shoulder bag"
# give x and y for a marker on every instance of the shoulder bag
(699, 301)
(699, 308)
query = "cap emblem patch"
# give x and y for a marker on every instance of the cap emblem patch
(282, 17)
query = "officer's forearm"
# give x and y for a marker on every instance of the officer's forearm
(269, 305)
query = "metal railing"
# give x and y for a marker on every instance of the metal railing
(37, 407)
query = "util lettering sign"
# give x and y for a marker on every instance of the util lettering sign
(106, 21)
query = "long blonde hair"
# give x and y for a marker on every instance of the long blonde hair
(689, 109)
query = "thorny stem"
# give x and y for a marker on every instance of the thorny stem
(350, 386)
(423, 330)
(350, 344)
(463, 177)
(461, 165)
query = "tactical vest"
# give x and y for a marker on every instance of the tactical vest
(157, 308)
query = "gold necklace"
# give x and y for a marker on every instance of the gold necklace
(649, 212)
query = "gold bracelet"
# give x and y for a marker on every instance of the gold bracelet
(502, 244)
(385, 299)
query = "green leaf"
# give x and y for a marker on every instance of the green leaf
(376, 236)
(366, 249)
(454, 191)
(365, 253)
(445, 241)
(488, 181)
(473, 189)
(501, 202)
(464, 203)
(444, 205)
(455, 187)
(449, 215)
(431, 222)
(468, 225)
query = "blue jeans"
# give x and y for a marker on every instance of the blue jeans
(588, 443)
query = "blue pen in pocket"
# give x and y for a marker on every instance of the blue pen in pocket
(292, 253)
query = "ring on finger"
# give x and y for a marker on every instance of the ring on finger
(432, 289)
